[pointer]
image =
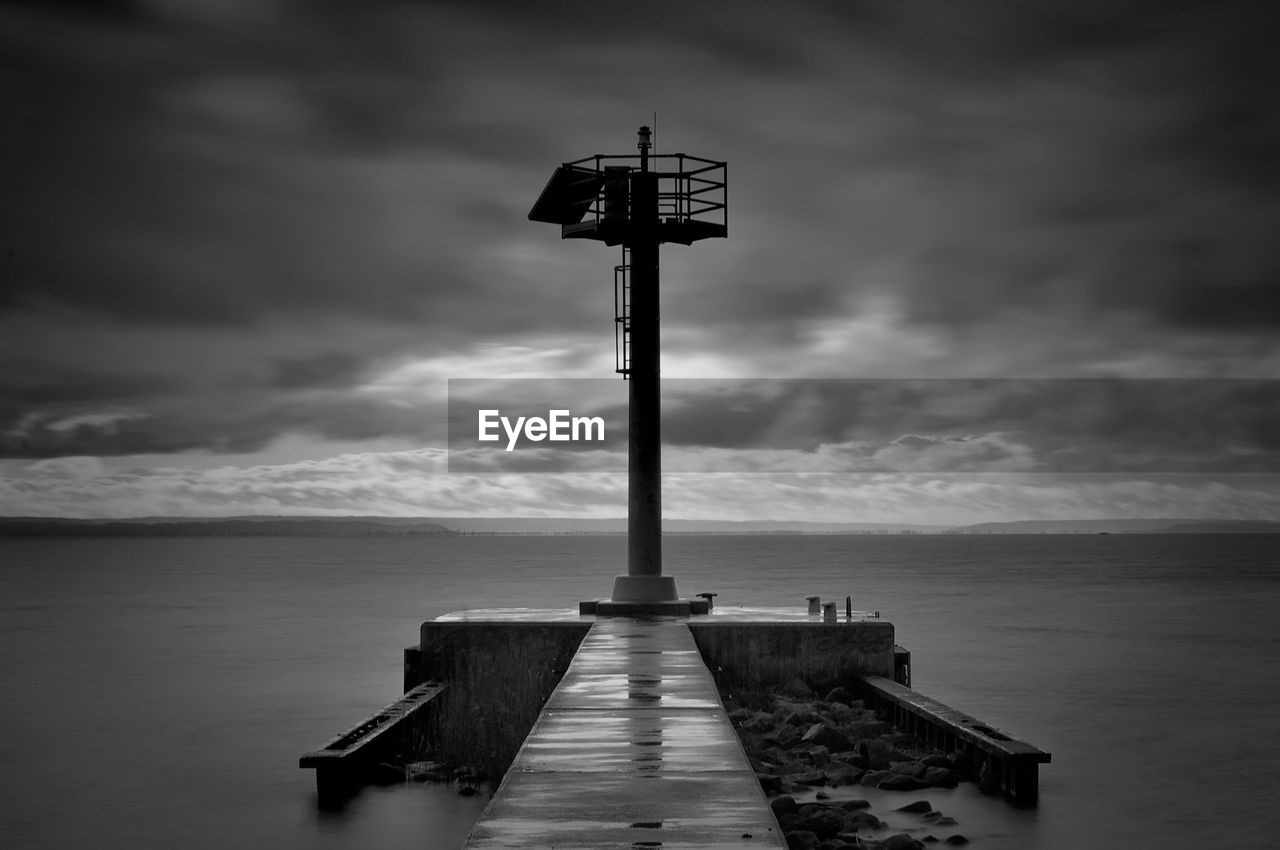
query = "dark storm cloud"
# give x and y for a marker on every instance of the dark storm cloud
(252, 204)
(168, 175)
(997, 425)
(1044, 425)
(338, 369)
(1099, 143)
(121, 11)
(253, 425)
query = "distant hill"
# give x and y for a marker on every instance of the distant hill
(395, 526)
(1225, 526)
(356, 526)
(1121, 526)
(236, 527)
(569, 525)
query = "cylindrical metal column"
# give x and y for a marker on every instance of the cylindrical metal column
(644, 450)
(644, 581)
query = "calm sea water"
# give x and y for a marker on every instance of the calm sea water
(157, 692)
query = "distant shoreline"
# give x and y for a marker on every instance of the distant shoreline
(524, 526)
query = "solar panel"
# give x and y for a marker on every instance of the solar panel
(567, 196)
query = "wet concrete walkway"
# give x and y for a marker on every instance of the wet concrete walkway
(632, 750)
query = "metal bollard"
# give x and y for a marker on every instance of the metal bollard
(848, 607)
(828, 612)
(711, 599)
(815, 604)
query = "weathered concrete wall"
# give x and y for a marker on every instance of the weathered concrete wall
(767, 655)
(499, 676)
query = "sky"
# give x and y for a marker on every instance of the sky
(245, 245)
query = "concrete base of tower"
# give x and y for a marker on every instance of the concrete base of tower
(644, 595)
(630, 588)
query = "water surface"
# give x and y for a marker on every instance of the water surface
(160, 690)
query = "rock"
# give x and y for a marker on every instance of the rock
(919, 807)
(956, 840)
(842, 713)
(769, 783)
(784, 805)
(786, 736)
(901, 841)
(873, 777)
(914, 769)
(797, 688)
(941, 777)
(803, 717)
(854, 805)
(817, 755)
(812, 777)
(854, 821)
(788, 821)
(801, 840)
(793, 766)
(900, 782)
(962, 762)
(880, 755)
(862, 730)
(839, 773)
(936, 760)
(939, 819)
(930, 839)
(840, 695)
(851, 757)
(823, 821)
(426, 771)
(826, 735)
(774, 755)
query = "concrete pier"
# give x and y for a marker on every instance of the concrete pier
(633, 749)
(610, 731)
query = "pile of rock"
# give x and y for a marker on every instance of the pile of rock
(798, 743)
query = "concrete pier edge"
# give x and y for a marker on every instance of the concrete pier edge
(633, 699)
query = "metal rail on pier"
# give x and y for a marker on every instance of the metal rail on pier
(346, 761)
(1003, 763)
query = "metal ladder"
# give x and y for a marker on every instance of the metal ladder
(622, 315)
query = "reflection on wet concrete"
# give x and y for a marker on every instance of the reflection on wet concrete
(632, 750)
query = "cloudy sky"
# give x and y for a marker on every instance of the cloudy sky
(246, 244)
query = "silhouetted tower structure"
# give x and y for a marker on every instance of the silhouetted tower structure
(639, 201)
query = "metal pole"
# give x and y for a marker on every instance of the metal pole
(644, 450)
(644, 456)
(644, 581)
